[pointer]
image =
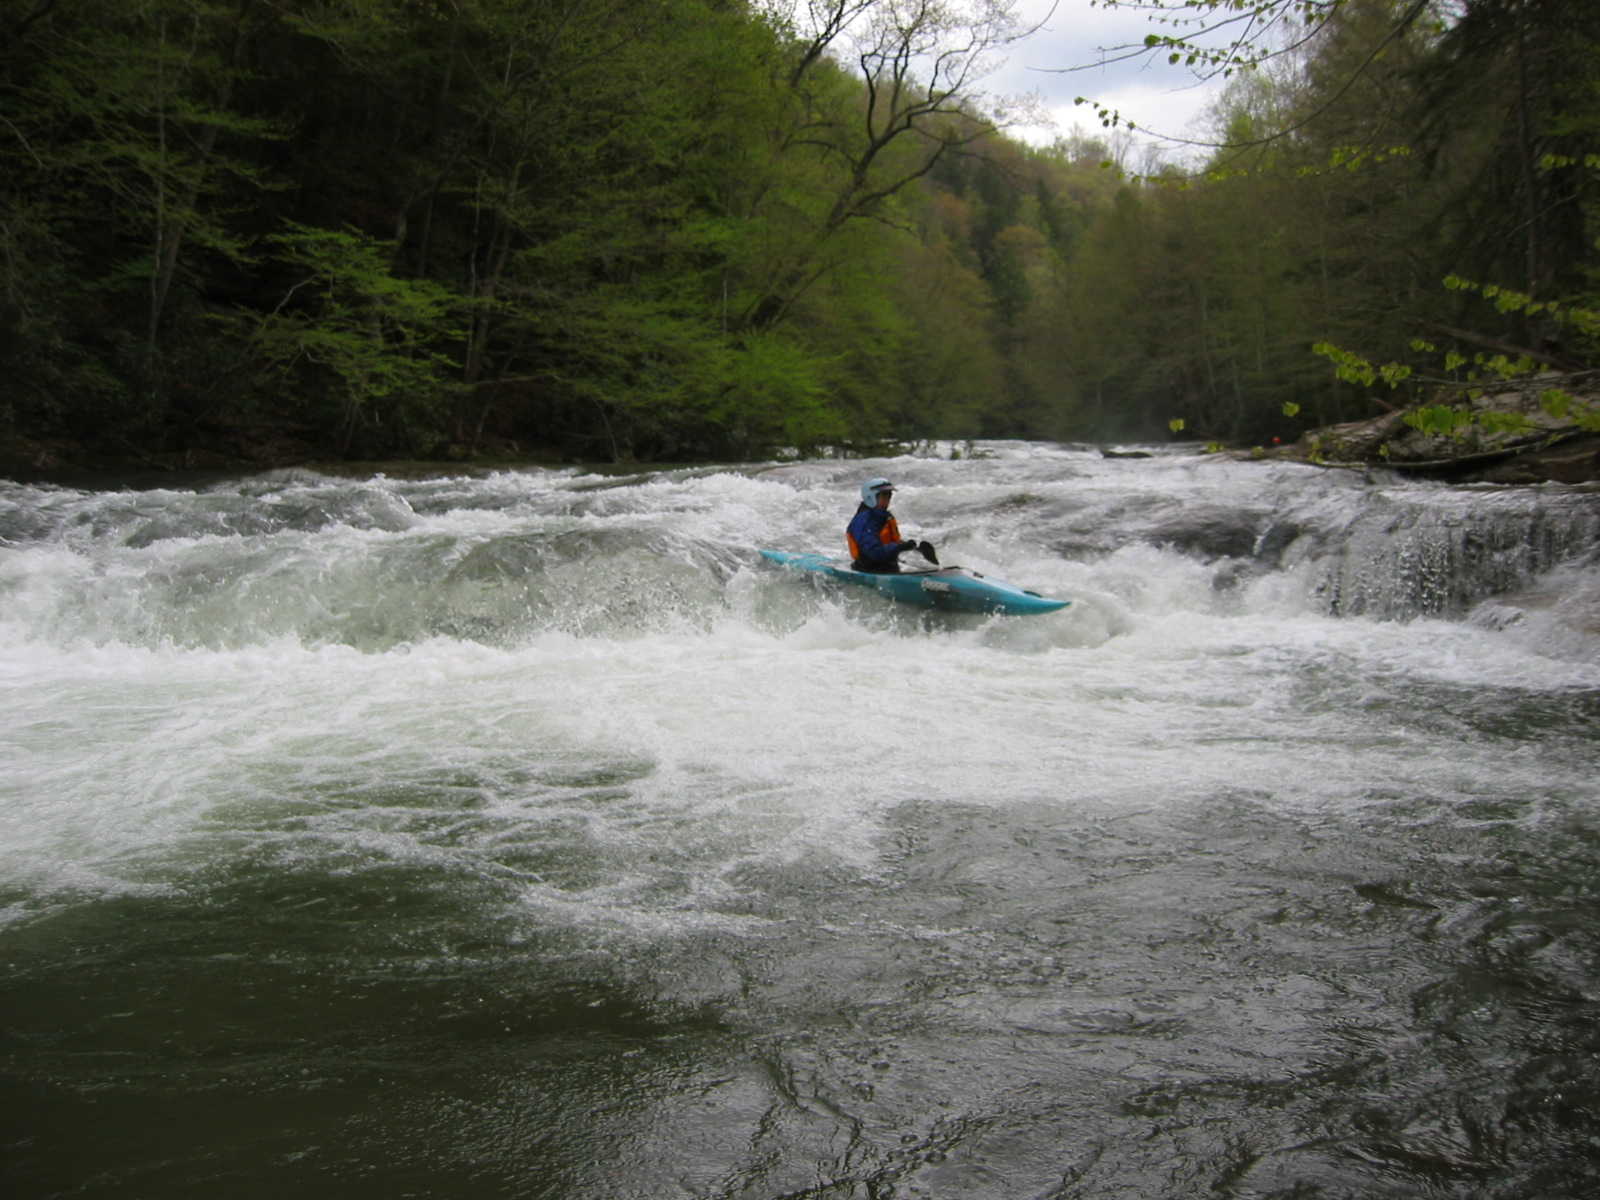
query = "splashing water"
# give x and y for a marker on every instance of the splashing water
(522, 834)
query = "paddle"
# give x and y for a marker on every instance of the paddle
(926, 550)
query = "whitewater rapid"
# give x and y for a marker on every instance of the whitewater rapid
(564, 725)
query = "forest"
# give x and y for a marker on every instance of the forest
(673, 230)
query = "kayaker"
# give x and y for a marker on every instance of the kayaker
(873, 535)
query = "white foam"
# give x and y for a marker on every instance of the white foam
(300, 693)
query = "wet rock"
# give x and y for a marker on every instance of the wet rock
(1544, 448)
(1573, 461)
(1208, 532)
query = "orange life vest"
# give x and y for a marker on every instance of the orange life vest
(888, 534)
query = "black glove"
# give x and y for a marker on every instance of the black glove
(926, 550)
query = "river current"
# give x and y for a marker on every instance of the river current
(523, 834)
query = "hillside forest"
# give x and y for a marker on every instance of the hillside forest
(263, 230)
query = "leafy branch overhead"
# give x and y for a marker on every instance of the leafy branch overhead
(1216, 39)
(1480, 374)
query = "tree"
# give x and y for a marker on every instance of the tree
(375, 339)
(1221, 38)
(918, 65)
(1508, 111)
(122, 154)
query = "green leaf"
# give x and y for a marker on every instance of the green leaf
(1439, 419)
(1556, 402)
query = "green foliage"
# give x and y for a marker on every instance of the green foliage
(371, 339)
(1457, 421)
(432, 227)
(1353, 368)
(774, 392)
(1581, 320)
(1442, 419)
(1564, 406)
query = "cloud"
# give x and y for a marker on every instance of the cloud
(1067, 58)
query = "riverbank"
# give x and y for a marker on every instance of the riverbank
(1518, 443)
(1512, 438)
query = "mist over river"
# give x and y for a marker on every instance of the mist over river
(525, 835)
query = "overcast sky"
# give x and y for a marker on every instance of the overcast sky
(1144, 90)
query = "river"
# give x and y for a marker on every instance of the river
(523, 834)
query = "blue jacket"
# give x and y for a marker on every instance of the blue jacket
(874, 539)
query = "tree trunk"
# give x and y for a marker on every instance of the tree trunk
(169, 238)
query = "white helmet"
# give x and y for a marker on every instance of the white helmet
(871, 488)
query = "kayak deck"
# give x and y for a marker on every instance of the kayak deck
(951, 588)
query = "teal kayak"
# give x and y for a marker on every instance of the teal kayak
(950, 588)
